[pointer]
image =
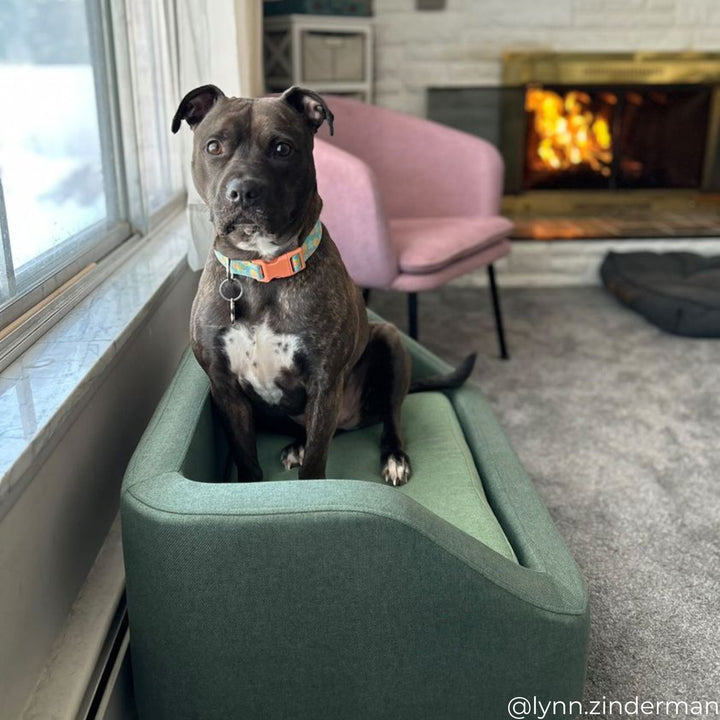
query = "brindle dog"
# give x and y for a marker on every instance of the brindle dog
(300, 355)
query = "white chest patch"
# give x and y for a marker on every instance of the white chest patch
(257, 355)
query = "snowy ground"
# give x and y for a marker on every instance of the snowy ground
(50, 156)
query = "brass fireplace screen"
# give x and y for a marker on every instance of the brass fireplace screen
(611, 121)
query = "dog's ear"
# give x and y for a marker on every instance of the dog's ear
(309, 104)
(196, 105)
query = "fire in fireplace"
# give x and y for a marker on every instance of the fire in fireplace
(568, 134)
(584, 121)
(619, 137)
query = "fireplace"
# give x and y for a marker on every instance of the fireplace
(611, 122)
(601, 145)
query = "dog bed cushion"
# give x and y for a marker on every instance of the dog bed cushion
(444, 480)
(677, 291)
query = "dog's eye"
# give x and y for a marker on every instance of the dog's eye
(283, 149)
(214, 147)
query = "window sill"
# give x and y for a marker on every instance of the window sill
(42, 390)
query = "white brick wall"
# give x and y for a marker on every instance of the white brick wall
(463, 44)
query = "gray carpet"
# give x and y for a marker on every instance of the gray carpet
(617, 424)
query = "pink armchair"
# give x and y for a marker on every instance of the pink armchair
(410, 203)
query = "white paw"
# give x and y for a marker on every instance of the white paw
(292, 456)
(396, 470)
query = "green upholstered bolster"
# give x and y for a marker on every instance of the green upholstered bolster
(181, 431)
(521, 513)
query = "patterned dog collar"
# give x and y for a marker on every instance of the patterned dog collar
(285, 265)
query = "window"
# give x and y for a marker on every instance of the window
(71, 153)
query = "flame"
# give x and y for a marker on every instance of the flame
(568, 132)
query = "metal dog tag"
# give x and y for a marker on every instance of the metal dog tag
(231, 290)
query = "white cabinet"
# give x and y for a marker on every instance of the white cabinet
(326, 53)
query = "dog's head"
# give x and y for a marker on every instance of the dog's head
(252, 162)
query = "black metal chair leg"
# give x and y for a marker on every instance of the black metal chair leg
(412, 316)
(498, 315)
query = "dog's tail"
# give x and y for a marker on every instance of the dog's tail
(449, 381)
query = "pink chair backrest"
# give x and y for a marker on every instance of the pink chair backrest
(424, 169)
(353, 214)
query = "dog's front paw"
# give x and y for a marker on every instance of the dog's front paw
(396, 468)
(292, 455)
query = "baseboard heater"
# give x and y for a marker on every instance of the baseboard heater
(109, 694)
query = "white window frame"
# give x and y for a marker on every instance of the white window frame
(25, 317)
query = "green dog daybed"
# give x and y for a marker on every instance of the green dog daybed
(345, 598)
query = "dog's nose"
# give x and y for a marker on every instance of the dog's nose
(244, 191)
